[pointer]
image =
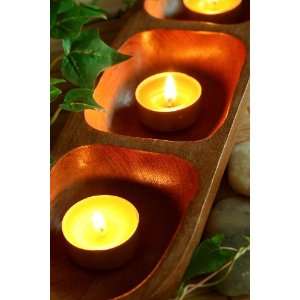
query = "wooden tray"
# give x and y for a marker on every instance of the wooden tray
(160, 186)
(207, 150)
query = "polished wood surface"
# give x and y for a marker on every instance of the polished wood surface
(160, 186)
(208, 155)
(214, 59)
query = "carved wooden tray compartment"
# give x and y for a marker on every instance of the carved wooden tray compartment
(214, 59)
(160, 186)
(138, 164)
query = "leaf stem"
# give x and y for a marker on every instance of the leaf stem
(229, 248)
(191, 287)
(239, 253)
(55, 61)
(55, 115)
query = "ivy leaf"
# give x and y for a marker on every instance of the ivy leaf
(55, 91)
(79, 99)
(59, 7)
(66, 44)
(67, 18)
(208, 257)
(63, 5)
(86, 56)
(54, 81)
(90, 11)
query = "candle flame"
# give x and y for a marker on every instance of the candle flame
(170, 89)
(98, 221)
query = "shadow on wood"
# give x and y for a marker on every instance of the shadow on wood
(214, 59)
(160, 187)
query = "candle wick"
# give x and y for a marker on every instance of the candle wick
(170, 102)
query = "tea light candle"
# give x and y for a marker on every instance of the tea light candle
(211, 7)
(100, 231)
(168, 101)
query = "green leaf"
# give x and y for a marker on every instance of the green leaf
(89, 10)
(55, 91)
(79, 99)
(87, 57)
(208, 257)
(64, 5)
(58, 7)
(54, 81)
(67, 18)
(68, 24)
(53, 14)
(66, 44)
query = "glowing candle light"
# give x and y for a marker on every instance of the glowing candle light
(170, 90)
(168, 101)
(98, 222)
(97, 227)
(211, 7)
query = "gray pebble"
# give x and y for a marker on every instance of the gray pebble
(239, 169)
(238, 281)
(231, 217)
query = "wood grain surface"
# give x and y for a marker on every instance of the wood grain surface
(209, 156)
(160, 187)
(214, 59)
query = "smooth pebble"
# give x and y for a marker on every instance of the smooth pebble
(231, 217)
(239, 169)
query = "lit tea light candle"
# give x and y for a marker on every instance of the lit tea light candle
(101, 231)
(211, 7)
(168, 101)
